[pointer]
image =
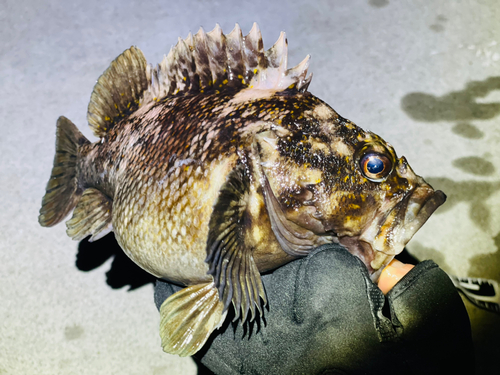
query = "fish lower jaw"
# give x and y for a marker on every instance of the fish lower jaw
(382, 255)
(380, 261)
(374, 260)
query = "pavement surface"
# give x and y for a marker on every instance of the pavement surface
(425, 75)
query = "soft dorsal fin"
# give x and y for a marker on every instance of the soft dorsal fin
(203, 62)
(118, 91)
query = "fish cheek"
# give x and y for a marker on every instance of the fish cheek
(348, 213)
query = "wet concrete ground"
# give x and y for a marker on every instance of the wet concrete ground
(424, 75)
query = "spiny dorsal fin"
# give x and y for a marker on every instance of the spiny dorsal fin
(203, 62)
(118, 91)
(215, 61)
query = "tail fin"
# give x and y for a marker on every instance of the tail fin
(62, 192)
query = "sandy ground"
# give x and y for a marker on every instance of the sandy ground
(424, 74)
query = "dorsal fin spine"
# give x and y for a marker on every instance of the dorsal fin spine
(233, 60)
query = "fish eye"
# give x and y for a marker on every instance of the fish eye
(375, 166)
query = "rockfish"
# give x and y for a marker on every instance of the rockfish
(218, 165)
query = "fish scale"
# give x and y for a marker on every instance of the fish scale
(218, 165)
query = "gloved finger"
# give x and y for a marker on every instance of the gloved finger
(435, 325)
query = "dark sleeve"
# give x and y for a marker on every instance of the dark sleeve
(325, 316)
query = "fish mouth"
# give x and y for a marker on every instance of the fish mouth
(387, 236)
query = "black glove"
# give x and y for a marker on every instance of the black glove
(325, 316)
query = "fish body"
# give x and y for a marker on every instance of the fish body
(219, 165)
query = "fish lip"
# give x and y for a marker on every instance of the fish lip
(425, 205)
(383, 239)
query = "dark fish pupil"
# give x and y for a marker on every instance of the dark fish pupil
(375, 166)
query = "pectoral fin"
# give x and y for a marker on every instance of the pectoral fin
(231, 262)
(188, 317)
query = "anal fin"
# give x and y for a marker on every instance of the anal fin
(188, 317)
(92, 216)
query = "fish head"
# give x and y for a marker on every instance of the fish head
(331, 181)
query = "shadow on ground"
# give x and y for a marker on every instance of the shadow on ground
(456, 106)
(123, 271)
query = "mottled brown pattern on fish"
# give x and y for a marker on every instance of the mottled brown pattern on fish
(168, 151)
(158, 166)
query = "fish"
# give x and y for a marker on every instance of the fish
(218, 165)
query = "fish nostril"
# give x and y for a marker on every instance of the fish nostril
(402, 166)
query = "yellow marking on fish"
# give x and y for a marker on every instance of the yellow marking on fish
(184, 79)
(354, 206)
(107, 118)
(224, 82)
(346, 178)
(318, 180)
(255, 71)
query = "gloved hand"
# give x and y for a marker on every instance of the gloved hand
(325, 316)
